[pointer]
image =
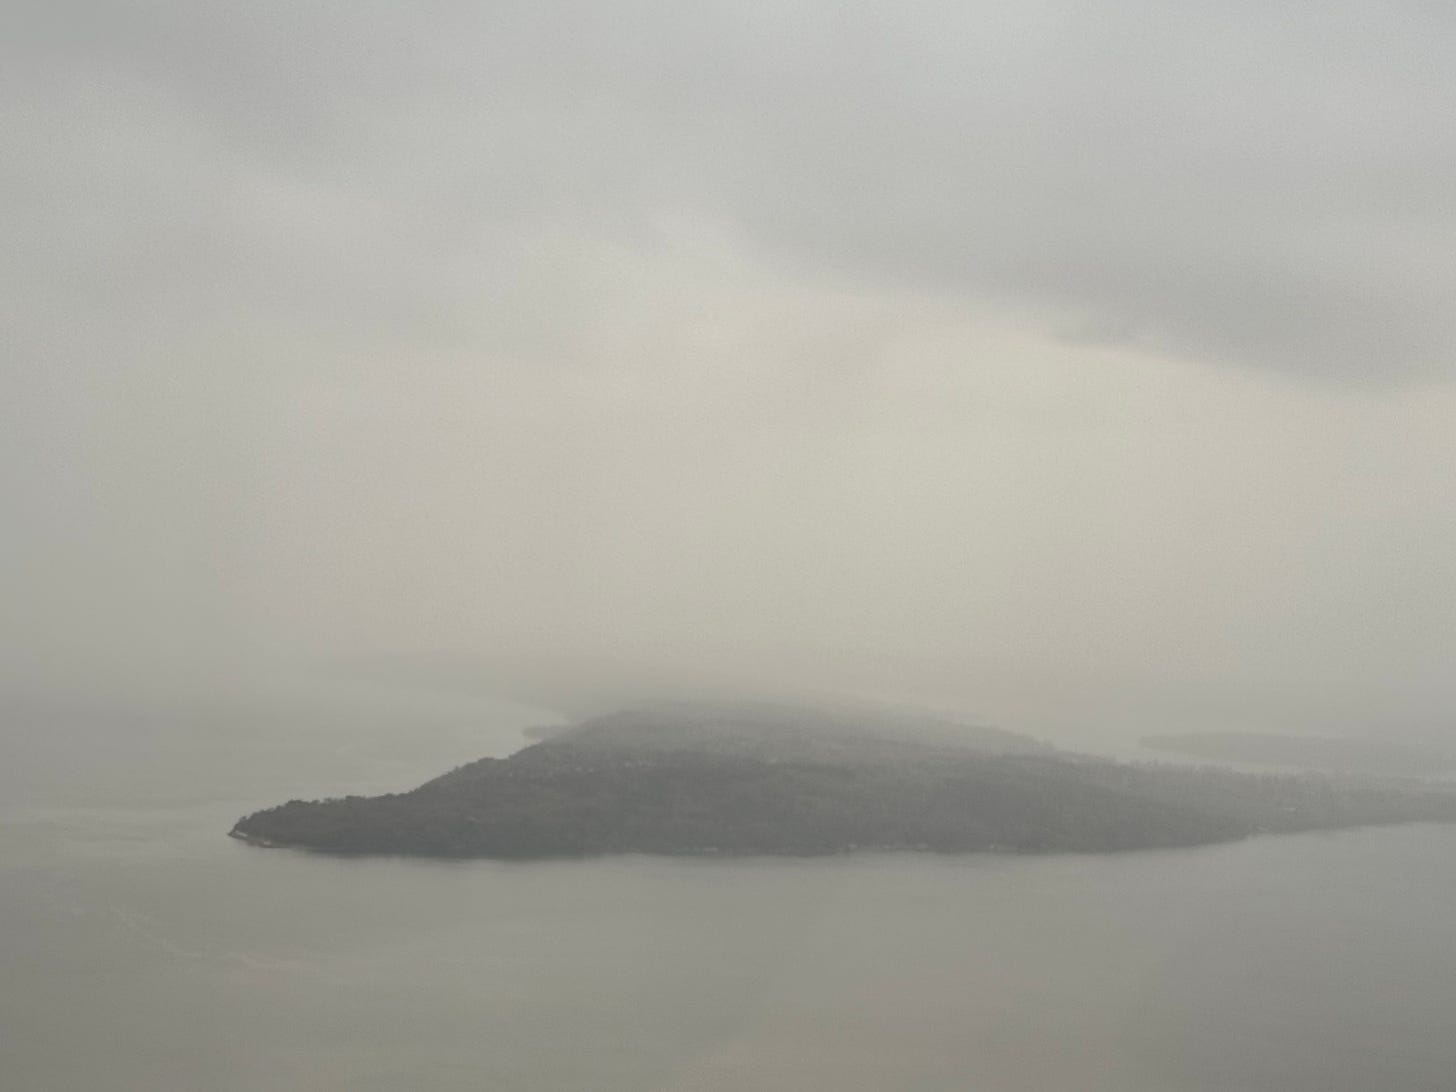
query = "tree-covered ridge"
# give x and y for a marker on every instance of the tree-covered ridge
(688, 783)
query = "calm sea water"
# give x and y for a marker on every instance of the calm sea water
(140, 949)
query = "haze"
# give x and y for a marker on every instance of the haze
(1082, 366)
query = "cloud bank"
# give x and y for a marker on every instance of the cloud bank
(1082, 364)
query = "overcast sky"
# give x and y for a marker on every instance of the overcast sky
(1073, 363)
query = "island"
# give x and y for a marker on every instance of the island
(753, 780)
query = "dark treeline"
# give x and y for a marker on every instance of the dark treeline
(631, 784)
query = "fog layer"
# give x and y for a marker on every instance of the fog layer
(1078, 366)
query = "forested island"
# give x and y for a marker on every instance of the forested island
(690, 780)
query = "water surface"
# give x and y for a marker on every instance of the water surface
(140, 949)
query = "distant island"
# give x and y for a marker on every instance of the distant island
(743, 780)
(1344, 754)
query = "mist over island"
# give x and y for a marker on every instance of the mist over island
(568, 487)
